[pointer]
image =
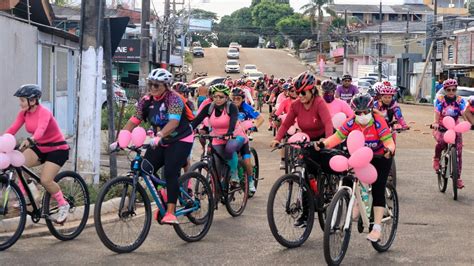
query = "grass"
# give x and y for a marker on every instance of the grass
(188, 58)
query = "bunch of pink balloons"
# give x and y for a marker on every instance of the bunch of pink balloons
(338, 120)
(359, 160)
(450, 125)
(8, 154)
(137, 137)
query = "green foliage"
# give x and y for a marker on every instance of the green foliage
(203, 14)
(296, 27)
(237, 27)
(244, 39)
(266, 15)
(314, 10)
(62, 2)
(188, 58)
(128, 112)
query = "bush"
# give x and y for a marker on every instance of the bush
(128, 112)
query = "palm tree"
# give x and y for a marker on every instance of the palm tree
(314, 9)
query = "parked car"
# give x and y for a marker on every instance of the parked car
(233, 53)
(376, 75)
(364, 86)
(249, 68)
(235, 45)
(208, 81)
(271, 45)
(232, 66)
(119, 94)
(198, 52)
(254, 75)
(371, 80)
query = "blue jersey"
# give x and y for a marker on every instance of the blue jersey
(246, 112)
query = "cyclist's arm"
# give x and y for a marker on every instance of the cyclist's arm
(175, 111)
(249, 97)
(19, 121)
(398, 115)
(259, 121)
(469, 116)
(289, 121)
(43, 122)
(234, 116)
(281, 108)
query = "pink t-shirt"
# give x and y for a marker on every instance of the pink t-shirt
(284, 107)
(43, 127)
(204, 103)
(281, 97)
(338, 106)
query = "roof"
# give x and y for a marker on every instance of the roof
(396, 27)
(386, 9)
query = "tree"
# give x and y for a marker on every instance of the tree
(314, 9)
(62, 2)
(205, 38)
(295, 27)
(237, 27)
(266, 15)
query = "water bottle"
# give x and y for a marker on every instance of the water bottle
(313, 184)
(365, 198)
(163, 194)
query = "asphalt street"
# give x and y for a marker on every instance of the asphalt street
(433, 228)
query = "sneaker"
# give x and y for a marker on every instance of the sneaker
(169, 219)
(374, 236)
(282, 165)
(436, 164)
(62, 214)
(300, 222)
(234, 179)
(252, 188)
(270, 129)
(460, 184)
(250, 138)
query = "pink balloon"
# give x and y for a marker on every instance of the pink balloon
(448, 122)
(298, 137)
(450, 136)
(4, 161)
(462, 127)
(138, 136)
(339, 163)
(291, 130)
(282, 117)
(367, 174)
(355, 141)
(17, 158)
(361, 157)
(7, 143)
(338, 120)
(247, 124)
(124, 138)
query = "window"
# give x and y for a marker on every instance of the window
(46, 72)
(61, 70)
(450, 52)
(393, 17)
(359, 16)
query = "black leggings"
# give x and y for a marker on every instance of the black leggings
(383, 166)
(173, 157)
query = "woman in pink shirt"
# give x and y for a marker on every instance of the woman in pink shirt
(335, 105)
(46, 145)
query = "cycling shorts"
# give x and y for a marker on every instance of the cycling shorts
(58, 157)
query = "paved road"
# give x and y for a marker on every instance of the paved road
(433, 229)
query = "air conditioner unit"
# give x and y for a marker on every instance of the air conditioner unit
(451, 5)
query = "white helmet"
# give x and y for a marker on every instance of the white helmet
(161, 75)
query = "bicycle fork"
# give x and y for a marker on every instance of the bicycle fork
(3, 208)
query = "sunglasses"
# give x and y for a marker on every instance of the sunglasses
(155, 85)
(238, 99)
(218, 97)
(292, 91)
(362, 112)
(303, 93)
(451, 90)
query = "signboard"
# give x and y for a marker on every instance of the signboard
(128, 50)
(200, 24)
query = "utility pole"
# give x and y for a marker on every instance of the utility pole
(435, 50)
(379, 61)
(407, 34)
(345, 44)
(87, 159)
(168, 31)
(144, 46)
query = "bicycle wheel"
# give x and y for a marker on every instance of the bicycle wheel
(285, 211)
(76, 193)
(237, 194)
(336, 238)
(287, 159)
(203, 169)
(196, 195)
(12, 214)
(392, 176)
(389, 221)
(255, 165)
(327, 187)
(442, 179)
(120, 229)
(454, 171)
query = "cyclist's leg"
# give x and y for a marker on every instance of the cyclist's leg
(459, 152)
(231, 160)
(245, 153)
(440, 145)
(53, 162)
(31, 160)
(383, 166)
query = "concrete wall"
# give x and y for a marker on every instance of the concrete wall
(18, 64)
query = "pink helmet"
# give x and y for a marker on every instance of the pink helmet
(450, 83)
(385, 88)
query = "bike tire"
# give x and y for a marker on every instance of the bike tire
(79, 201)
(206, 221)
(340, 200)
(287, 159)
(296, 208)
(241, 190)
(327, 188)
(392, 177)
(21, 208)
(99, 225)
(454, 171)
(203, 169)
(255, 166)
(390, 210)
(442, 179)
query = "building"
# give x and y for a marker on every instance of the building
(448, 7)
(32, 51)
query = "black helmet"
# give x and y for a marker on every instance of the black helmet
(180, 87)
(328, 85)
(304, 81)
(238, 92)
(362, 102)
(29, 91)
(347, 76)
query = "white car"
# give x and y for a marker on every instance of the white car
(233, 53)
(119, 94)
(249, 68)
(255, 75)
(232, 66)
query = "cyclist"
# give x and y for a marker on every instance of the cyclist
(334, 104)
(248, 89)
(223, 119)
(387, 106)
(275, 90)
(448, 105)
(46, 146)
(469, 115)
(202, 92)
(347, 90)
(183, 90)
(283, 94)
(260, 88)
(284, 106)
(170, 118)
(379, 139)
(311, 111)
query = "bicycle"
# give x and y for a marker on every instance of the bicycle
(337, 231)
(13, 207)
(300, 194)
(260, 101)
(123, 201)
(233, 196)
(392, 176)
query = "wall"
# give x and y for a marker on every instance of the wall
(18, 64)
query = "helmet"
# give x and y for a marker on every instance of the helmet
(229, 83)
(470, 100)
(239, 82)
(180, 87)
(386, 89)
(377, 87)
(238, 92)
(282, 81)
(449, 83)
(347, 76)
(287, 86)
(260, 78)
(362, 102)
(220, 88)
(328, 85)
(29, 91)
(304, 81)
(275, 81)
(161, 75)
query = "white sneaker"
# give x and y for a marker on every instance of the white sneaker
(252, 188)
(62, 214)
